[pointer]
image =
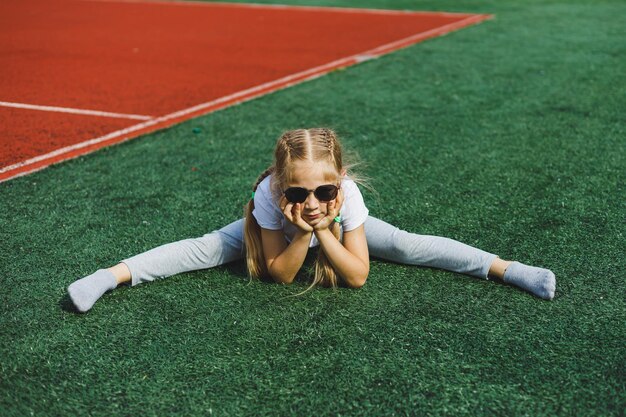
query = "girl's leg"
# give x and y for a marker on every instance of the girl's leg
(215, 248)
(389, 242)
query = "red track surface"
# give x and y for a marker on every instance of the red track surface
(169, 62)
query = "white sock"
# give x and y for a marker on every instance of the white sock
(86, 291)
(539, 281)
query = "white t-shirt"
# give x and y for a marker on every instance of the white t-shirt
(269, 216)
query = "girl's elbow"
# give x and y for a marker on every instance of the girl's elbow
(357, 281)
(281, 278)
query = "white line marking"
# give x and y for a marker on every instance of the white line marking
(179, 113)
(80, 145)
(440, 31)
(279, 7)
(74, 111)
(365, 57)
(284, 82)
(244, 95)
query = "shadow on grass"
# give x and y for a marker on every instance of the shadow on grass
(66, 304)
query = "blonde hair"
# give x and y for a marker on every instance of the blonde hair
(313, 145)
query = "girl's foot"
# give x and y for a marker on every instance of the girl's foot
(86, 291)
(538, 281)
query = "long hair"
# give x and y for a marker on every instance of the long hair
(314, 145)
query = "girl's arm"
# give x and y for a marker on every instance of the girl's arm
(350, 260)
(284, 260)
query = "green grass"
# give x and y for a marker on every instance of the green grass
(508, 136)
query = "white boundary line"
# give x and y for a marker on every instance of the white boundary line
(282, 82)
(174, 115)
(74, 111)
(408, 41)
(244, 95)
(280, 7)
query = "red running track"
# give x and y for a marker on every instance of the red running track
(78, 75)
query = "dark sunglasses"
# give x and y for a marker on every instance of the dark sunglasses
(326, 192)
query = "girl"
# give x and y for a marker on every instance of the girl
(305, 199)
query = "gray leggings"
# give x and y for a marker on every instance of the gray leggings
(383, 240)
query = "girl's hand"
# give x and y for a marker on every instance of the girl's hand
(293, 213)
(332, 210)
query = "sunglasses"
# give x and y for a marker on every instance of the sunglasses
(326, 192)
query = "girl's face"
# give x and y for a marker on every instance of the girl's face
(311, 175)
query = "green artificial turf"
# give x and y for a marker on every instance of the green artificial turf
(508, 136)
